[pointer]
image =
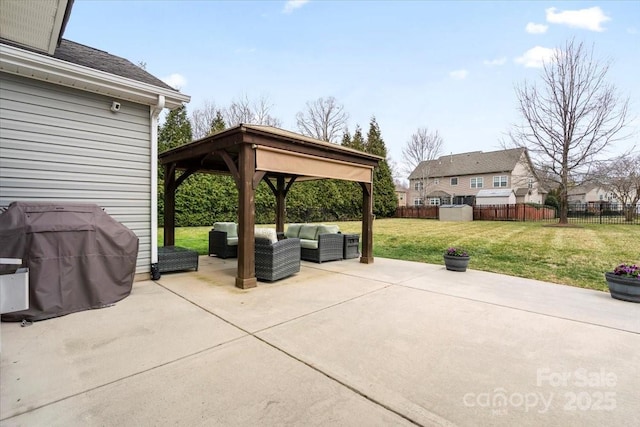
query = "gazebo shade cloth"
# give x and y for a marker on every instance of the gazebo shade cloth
(78, 256)
(281, 161)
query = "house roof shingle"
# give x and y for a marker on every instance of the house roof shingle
(96, 59)
(473, 163)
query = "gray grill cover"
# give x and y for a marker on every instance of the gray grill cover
(78, 256)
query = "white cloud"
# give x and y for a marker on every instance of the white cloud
(535, 57)
(292, 5)
(495, 62)
(175, 80)
(632, 30)
(588, 19)
(459, 74)
(532, 28)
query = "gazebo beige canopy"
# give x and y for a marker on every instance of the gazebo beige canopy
(255, 153)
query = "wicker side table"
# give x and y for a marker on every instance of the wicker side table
(175, 258)
(351, 243)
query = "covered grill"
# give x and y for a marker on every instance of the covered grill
(78, 256)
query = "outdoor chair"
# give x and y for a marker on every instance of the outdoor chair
(276, 260)
(223, 240)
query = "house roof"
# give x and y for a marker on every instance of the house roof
(473, 163)
(32, 46)
(90, 57)
(37, 25)
(439, 193)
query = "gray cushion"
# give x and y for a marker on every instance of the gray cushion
(308, 232)
(232, 241)
(230, 227)
(328, 229)
(308, 244)
(293, 230)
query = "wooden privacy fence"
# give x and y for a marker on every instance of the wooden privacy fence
(426, 212)
(517, 212)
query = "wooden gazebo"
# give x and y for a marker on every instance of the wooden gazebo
(254, 153)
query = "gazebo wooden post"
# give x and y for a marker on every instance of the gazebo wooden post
(280, 205)
(169, 204)
(367, 223)
(246, 277)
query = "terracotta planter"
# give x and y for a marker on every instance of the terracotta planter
(623, 288)
(456, 263)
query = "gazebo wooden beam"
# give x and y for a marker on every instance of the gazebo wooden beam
(169, 204)
(246, 277)
(367, 223)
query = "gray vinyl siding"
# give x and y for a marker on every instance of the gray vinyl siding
(63, 144)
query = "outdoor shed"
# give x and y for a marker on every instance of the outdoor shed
(456, 213)
(78, 124)
(504, 196)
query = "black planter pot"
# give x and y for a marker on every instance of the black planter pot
(456, 263)
(623, 288)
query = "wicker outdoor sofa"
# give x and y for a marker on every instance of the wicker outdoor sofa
(318, 242)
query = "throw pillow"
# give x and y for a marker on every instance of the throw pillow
(267, 233)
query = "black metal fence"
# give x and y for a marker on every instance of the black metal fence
(604, 213)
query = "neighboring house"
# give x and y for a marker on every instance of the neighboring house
(590, 195)
(78, 124)
(401, 194)
(458, 178)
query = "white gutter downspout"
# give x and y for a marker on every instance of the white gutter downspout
(155, 112)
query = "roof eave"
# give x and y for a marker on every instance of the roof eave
(33, 65)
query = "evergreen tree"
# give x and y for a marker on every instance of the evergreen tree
(356, 142)
(175, 131)
(375, 144)
(385, 201)
(346, 138)
(218, 123)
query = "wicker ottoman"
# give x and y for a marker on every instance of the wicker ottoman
(175, 258)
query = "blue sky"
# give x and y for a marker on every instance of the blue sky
(449, 66)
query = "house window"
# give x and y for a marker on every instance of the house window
(417, 202)
(530, 182)
(454, 181)
(476, 182)
(418, 186)
(434, 201)
(436, 181)
(500, 181)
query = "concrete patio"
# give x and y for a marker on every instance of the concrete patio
(340, 343)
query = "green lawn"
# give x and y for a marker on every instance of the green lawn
(571, 256)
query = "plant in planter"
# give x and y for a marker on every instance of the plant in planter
(456, 259)
(624, 282)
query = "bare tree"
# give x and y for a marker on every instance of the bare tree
(423, 147)
(203, 119)
(244, 110)
(621, 177)
(571, 118)
(323, 119)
